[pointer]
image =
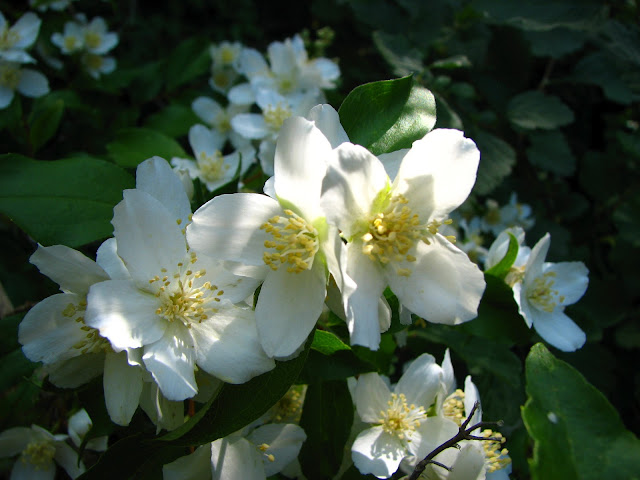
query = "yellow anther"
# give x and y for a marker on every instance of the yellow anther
(274, 116)
(542, 295)
(400, 419)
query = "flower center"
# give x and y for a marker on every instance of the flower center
(39, 454)
(274, 116)
(289, 408)
(542, 295)
(495, 457)
(453, 407)
(184, 296)
(8, 38)
(221, 79)
(227, 55)
(401, 419)
(212, 167)
(10, 76)
(71, 43)
(392, 233)
(92, 39)
(93, 62)
(93, 342)
(295, 242)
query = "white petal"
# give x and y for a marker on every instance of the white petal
(171, 361)
(524, 307)
(377, 452)
(227, 345)
(156, 177)
(327, 120)
(14, 440)
(32, 83)
(421, 382)
(207, 109)
(558, 330)
(164, 413)
(234, 458)
(361, 302)
(123, 314)
(300, 164)
(288, 307)
(27, 28)
(444, 286)
(471, 396)
(28, 471)
(242, 94)
(354, 178)
(76, 371)
(122, 387)
(251, 62)
(469, 464)
(250, 125)
(236, 288)
(46, 334)
(438, 172)
(69, 268)
(448, 378)
(228, 227)
(392, 161)
(196, 466)
(67, 458)
(149, 237)
(432, 432)
(570, 280)
(78, 426)
(284, 440)
(371, 396)
(535, 262)
(205, 140)
(107, 257)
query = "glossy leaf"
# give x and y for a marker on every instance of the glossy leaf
(134, 145)
(534, 109)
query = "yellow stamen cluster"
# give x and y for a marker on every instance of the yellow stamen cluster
(289, 407)
(295, 242)
(10, 76)
(542, 295)
(71, 42)
(182, 295)
(39, 454)
(496, 457)
(515, 275)
(401, 419)
(392, 233)
(274, 116)
(92, 39)
(221, 78)
(453, 407)
(8, 38)
(212, 166)
(93, 61)
(227, 55)
(93, 342)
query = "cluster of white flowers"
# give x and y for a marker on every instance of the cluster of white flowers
(90, 41)
(289, 84)
(14, 41)
(542, 289)
(421, 412)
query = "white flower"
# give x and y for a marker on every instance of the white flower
(97, 65)
(225, 53)
(392, 230)
(210, 166)
(97, 39)
(15, 39)
(257, 455)
(513, 214)
(38, 449)
(71, 40)
(179, 307)
(79, 425)
(287, 233)
(219, 118)
(545, 290)
(56, 5)
(26, 81)
(401, 428)
(499, 248)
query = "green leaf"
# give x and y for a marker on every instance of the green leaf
(577, 432)
(555, 43)
(44, 120)
(599, 69)
(534, 109)
(550, 151)
(327, 417)
(398, 52)
(501, 269)
(327, 343)
(388, 115)
(174, 120)
(134, 145)
(339, 366)
(14, 366)
(496, 160)
(187, 62)
(68, 201)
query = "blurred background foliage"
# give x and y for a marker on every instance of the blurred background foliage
(548, 89)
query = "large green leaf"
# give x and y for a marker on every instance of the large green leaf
(187, 62)
(327, 417)
(173, 120)
(577, 432)
(68, 201)
(496, 160)
(550, 151)
(534, 109)
(44, 119)
(388, 115)
(134, 145)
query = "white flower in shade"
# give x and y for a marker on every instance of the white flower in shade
(401, 428)
(179, 307)
(251, 455)
(286, 237)
(39, 451)
(225, 54)
(28, 82)
(97, 39)
(97, 65)
(392, 231)
(15, 39)
(545, 290)
(219, 118)
(56, 5)
(212, 167)
(79, 425)
(513, 214)
(71, 40)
